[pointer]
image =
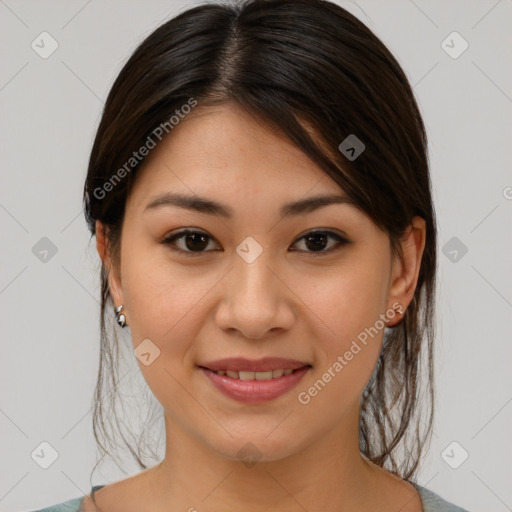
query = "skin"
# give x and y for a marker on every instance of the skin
(300, 304)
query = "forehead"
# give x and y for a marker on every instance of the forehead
(223, 149)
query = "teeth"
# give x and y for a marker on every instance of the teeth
(248, 375)
(243, 375)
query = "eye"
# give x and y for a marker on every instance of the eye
(195, 242)
(317, 241)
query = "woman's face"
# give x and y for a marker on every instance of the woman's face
(253, 285)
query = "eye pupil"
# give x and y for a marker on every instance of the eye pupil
(315, 238)
(196, 237)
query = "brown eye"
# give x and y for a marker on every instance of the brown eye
(193, 242)
(317, 241)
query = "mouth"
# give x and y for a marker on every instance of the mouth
(249, 383)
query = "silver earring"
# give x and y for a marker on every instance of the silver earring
(120, 318)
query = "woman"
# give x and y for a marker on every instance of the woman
(260, 195)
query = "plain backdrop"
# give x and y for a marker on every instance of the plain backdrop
(50, 109)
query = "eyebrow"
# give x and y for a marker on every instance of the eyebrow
(211, 207)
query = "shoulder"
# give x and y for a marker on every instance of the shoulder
(80, 504)
(66, 506)
(432, 502)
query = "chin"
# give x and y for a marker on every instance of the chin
(256, 447)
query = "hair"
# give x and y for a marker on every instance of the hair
(315, 74)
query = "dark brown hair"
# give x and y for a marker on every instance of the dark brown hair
(316, 74)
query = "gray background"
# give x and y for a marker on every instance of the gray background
(50, 109)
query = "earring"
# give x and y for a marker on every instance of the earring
(120, 318)
(395, 310)
(399, 311)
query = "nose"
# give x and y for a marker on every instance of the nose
(255, 299)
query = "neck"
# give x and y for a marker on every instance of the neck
(329, 474)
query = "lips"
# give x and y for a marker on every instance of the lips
(255, 381)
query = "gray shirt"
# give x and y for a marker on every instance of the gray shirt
(431, 502)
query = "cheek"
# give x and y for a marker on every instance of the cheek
(346, 301)
(166, 302)
(350, 342)
(347, 308)
(163, 306)
(160, 302)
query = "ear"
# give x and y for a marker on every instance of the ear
(114, 281)
(405, 270)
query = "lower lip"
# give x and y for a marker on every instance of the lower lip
(255, 391)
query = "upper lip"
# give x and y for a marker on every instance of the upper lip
(251, 365)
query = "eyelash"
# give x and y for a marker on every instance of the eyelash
(170, 241)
